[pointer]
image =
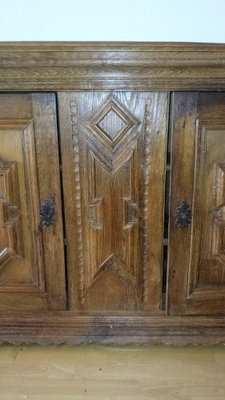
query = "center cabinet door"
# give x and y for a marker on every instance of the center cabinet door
(113, 156)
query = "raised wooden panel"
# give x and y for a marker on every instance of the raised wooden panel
(27, 128)
(197, 255)
(10, 233)
(24, 264)
(114, 198)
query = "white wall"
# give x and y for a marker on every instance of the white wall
(139, 20)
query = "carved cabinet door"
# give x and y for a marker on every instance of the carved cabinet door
(113, 157)
(31, 245)
(197, 216)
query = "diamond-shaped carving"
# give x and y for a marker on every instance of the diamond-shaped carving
(112, 123)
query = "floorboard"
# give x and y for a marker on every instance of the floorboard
(112, 373)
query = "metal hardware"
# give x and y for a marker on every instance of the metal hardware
(47, 213)
(183, 214)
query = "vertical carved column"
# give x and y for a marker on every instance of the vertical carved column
(147, 167)
(77, 200)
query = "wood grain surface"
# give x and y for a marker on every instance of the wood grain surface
(111, 65)
(113, 106)
(108, 373)
(197, 262)
(114, 197)
(31, 260)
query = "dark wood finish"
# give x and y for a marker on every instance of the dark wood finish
(31, 261)
(113, 197)
(104, 66)
(197, 260)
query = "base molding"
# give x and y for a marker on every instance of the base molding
(70, 328)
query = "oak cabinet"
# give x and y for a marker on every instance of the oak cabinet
(112, 193)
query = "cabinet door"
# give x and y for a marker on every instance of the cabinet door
(113, 155)
(197, 218)
(31, 254)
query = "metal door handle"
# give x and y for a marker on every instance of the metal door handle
(47, 213)
(183, 215)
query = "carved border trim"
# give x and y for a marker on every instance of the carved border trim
(58, 66)
(79, 230)
(64, 327)
(147, 167)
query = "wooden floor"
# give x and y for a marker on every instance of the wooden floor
(112, 373)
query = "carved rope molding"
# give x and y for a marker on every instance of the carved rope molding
(147, 152)
(79, 232)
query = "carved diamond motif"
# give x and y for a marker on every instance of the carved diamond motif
(112, 123)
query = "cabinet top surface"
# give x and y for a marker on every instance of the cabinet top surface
(109, 44)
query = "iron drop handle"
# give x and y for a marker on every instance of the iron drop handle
(47, 213)
(183, 215)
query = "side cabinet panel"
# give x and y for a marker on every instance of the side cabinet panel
(113, 154)
(31, 257)
(197, 246)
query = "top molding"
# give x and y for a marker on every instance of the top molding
(55, 66)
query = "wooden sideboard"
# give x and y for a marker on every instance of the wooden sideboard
(112, 193)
